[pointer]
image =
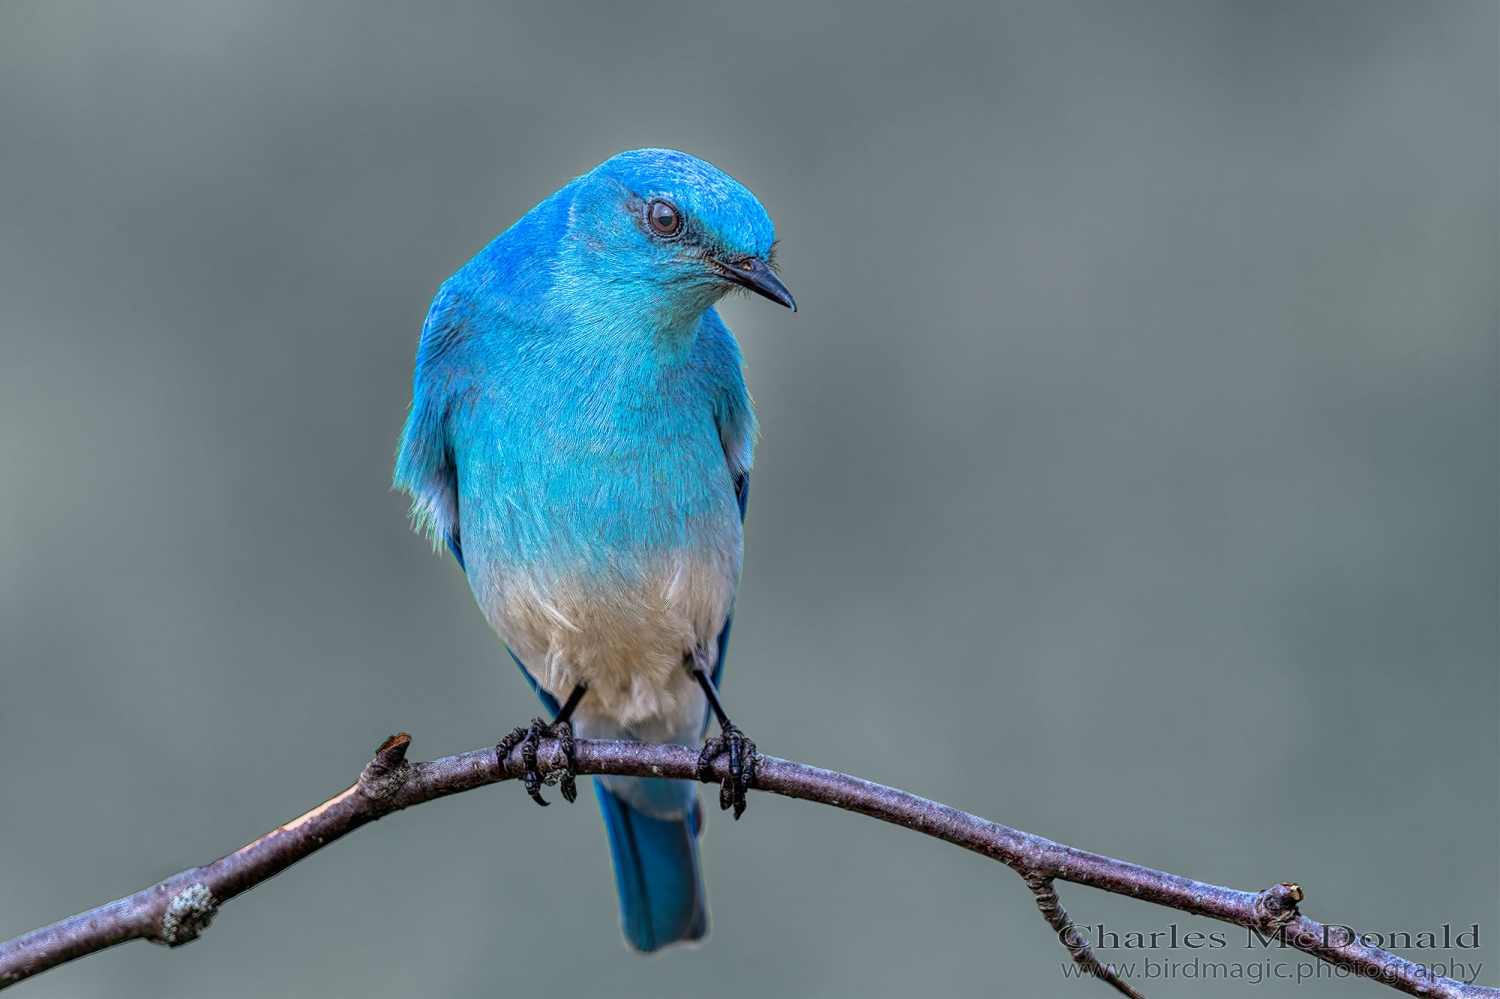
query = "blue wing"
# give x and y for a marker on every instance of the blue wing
(742, 496)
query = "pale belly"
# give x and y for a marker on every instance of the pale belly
(626, 632)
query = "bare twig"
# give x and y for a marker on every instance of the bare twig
(181, 907)
(1072, 938)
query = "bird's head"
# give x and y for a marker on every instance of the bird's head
(670, 228)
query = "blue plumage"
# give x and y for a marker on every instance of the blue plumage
(656, 874)
(581, 438)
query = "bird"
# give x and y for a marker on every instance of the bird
(580, 438)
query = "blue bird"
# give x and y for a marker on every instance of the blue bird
(580, 437)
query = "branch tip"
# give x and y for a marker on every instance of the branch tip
(384, 775)
(394, 748)
(390, 755)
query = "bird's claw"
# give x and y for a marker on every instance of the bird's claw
(741, 775)
(529, 739)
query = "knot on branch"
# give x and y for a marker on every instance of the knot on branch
(188, 914)
(1277, 906)
(386, 773)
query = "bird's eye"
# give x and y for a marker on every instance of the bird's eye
(665, 219)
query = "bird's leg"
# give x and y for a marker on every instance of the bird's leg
(529, 739)
(732, 741)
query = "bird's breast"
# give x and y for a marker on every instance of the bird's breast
(626, 632)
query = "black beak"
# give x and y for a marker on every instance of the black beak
(755, 274)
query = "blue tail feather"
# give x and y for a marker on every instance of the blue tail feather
(656, 872)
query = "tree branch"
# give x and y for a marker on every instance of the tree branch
(178, 909)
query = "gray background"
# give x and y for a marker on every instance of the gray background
(1129, 475)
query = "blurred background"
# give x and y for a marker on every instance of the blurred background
(1129, 474)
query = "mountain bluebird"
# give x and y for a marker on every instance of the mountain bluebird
(580, 437)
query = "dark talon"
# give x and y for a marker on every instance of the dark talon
(706, 759)
(736, 765)
(530, 738)
(741, 750)
(741, 775)
(528, 756)
(504, 746)
(726, 795)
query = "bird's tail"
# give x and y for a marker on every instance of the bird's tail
(656, 871)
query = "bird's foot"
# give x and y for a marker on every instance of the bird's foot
(529, 739)
(741, 774)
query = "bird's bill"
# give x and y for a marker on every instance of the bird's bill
(756, 274)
